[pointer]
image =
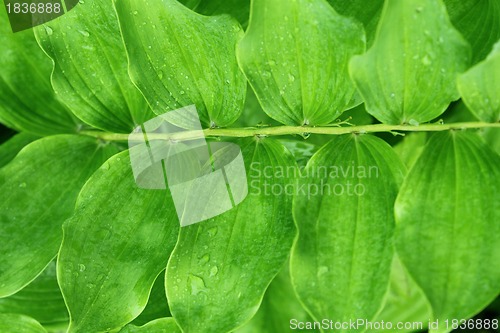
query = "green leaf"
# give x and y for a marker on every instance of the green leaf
(115, 245)
(280, 308)
(179, 58)
(408, 75)
(410, 148)
(41, 300)
(295, 55)
(90, 67)
(448, 234)
(220, 268)
(239, 9)
(157, 306)
(15, 323)
(480, 85)
(38, 190)
(405, 303)
(341, 261)
(479, 23)
(10, 148)
(162, 325)
(27, 101)
(367, 12)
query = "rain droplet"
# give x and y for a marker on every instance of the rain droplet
(182, 92)
(49, 31)
(212, 231)
(81, 267)
(136, 12)
(413, 122)
(291, 78)
(160, 75)
(81, 2)
(204, 258)
(22, 185)
(213, 271)
(426, 60)
(228, 82)
(196, 284)
(322, 270)
(84, 33)
(393, 95)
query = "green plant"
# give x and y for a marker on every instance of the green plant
(358, 222)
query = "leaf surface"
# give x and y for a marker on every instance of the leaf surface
(179, 58)
(41, 300)
(27, 101)
(15, 323)
(367, 12)
(295, 56)
(341, 260)
(162, 325)
(478, 21)
(408, 75)
(221, 267)
(480, 85)
(90, 67)
(10, 148)
(114, 246)
(280, 309)
(38, 190)
(448, 234)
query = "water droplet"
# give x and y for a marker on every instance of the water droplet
(196, 284)
(150, 47)
(105, 166)
(413, 122)
(84, 33)
(49, 30)
(136, 12)
(90, 285)
(22, 185)
(213, 271)
(291, 78)
(204, 258)
(426, 60)
(322, 270)
(81, 2)
(160, 75)
(393, 95)
(419, 9)
(182, 92)
(212, 231)
(266, 74)
(81, 267)
(306, 135)
(228, 82)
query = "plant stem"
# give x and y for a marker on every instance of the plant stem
(290, 130)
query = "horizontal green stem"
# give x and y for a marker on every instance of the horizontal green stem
(290, 130)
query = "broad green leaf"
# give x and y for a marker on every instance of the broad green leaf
(239, 9)
(90, 67)
(341, 260)
(405, 304)
(448, 235)
(10, 148)
(38, 190)
(162, 325)
(220, 268)
(41, 300)
(16, 323)
(280, 310)
(367, 12)
(295, 55)
(480, 87)
(27, 101)
(157, 306)
(479, 23)
(408, 75)
(114, 246)
(178, 58)
(410, 148)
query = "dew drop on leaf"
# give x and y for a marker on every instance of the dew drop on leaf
(213, 271)
(22, 185)
(196, 284)
(84, 33)
(49, 31)
(212, 231)
(81, 267)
